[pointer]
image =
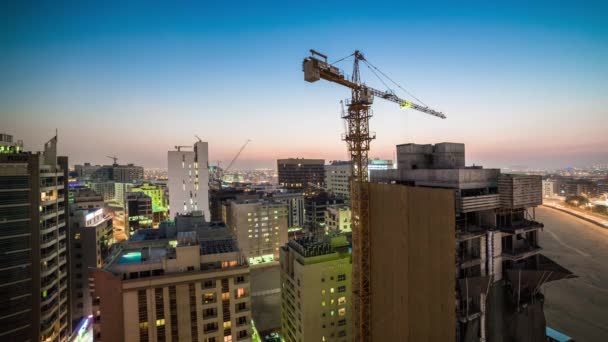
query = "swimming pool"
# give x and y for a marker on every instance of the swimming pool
(130, 258)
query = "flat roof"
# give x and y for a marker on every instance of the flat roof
(218, 246)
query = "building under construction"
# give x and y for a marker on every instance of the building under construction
(499, 267)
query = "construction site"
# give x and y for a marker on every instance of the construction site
(440, 251)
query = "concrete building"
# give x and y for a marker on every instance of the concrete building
(217, 198)
(106, 189)
(260, 227)
(105, 173)
(496, 235)
(139, 211)
(301, 174)
(90, 241)
(34, 258)
(86, 198)
(8, 145)
(127, 173)
(120, 192)
(295, 207)
(189, 289)
(337, 178)
(337, 219)
(550, 188)
(189, 180)
(316, 290)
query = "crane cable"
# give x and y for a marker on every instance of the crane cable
(341, 59)
(395, 83)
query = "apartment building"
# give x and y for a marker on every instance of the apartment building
(188, 289)
(338, 219)
(300, 174)
(295, 207)
(34, 258)
(189, 180)
(260, 227)
(337, 178)
(316, 290)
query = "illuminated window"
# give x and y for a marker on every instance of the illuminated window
(342, 311)
(240, 292)
(332, 313)
(77, 236)
(342, 300)
(323, 303)
(331, 302)
(227, 325)
(160, 322)
(331, 290)
(225, 295)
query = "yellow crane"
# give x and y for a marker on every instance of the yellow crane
(358, 138)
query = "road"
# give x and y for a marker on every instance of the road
(577, 307)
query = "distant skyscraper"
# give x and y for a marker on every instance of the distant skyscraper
(316, 290)
(189, 180)
(34, 258)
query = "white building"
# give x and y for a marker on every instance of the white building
(189, 180)
(549, 188)
(337, 178)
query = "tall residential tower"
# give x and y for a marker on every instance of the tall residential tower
(189, 180)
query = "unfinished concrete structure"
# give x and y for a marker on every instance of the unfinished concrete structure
(496, 239)
(412, 255)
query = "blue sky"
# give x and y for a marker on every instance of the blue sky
(521, 83)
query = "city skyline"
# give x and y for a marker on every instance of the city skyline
(136, 80)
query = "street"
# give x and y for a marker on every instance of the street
(577, 307)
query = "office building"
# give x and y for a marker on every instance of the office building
(337, 219)
(218, 197)
(316, 290)
(380, 164)
(90, 241)
(34, 257)
(337, 178)
(301, 174)
(188, 289)
(85, 198)
(496, 238)
(139, 211)
(127, 173)
(189, 180)
(260, 227)
(295, 207)
(106, 189)
(10, 146)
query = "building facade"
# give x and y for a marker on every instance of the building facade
(337, 219)
(159, 290)
(139, 211)
(260, 227)
(189, 180)
(34, 258)
(156, 193)
(300, 174)
(337, 178)
(314, 209)
(295, 207)
(91, 236)
(316, 290)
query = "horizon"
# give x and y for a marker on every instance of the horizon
(520, 85)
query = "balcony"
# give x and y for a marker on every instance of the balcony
(520, 226)
(478, 203)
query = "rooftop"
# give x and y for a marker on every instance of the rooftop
(218, 246)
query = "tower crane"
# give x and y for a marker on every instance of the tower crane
(358, 139)
(114, 159)
(223, 172)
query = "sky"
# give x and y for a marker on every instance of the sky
(522, 82)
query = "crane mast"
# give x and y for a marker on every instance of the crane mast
(358, 138)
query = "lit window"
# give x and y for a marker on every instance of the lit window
(77, 236)
(341, 300)
(323, 303)
(331, 290)
(227, 325)
(342, 311)
(332, 313)
(160, 322)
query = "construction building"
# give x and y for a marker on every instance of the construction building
(85, 198)
(34, 256)
(338, 219)
(316, 290)
(496, 240)
(260, 227)
(301, 174)
(129, 173)
(192, 288)
(90, 241)
(189, 180)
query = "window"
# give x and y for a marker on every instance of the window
(342, 311)
(331, 290)
(341, 289)
(342, 277)
(341, 300)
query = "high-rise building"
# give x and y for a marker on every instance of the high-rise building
(295, 207)
(300, 174)
(189, 180)
(497, 240)
(316, 290)
(337, 219)
(127, 173)
(90, 240)
(337, 178)
(260, 227)
(85, 198)
(120, 192)
(188, 289)
(34, 257)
